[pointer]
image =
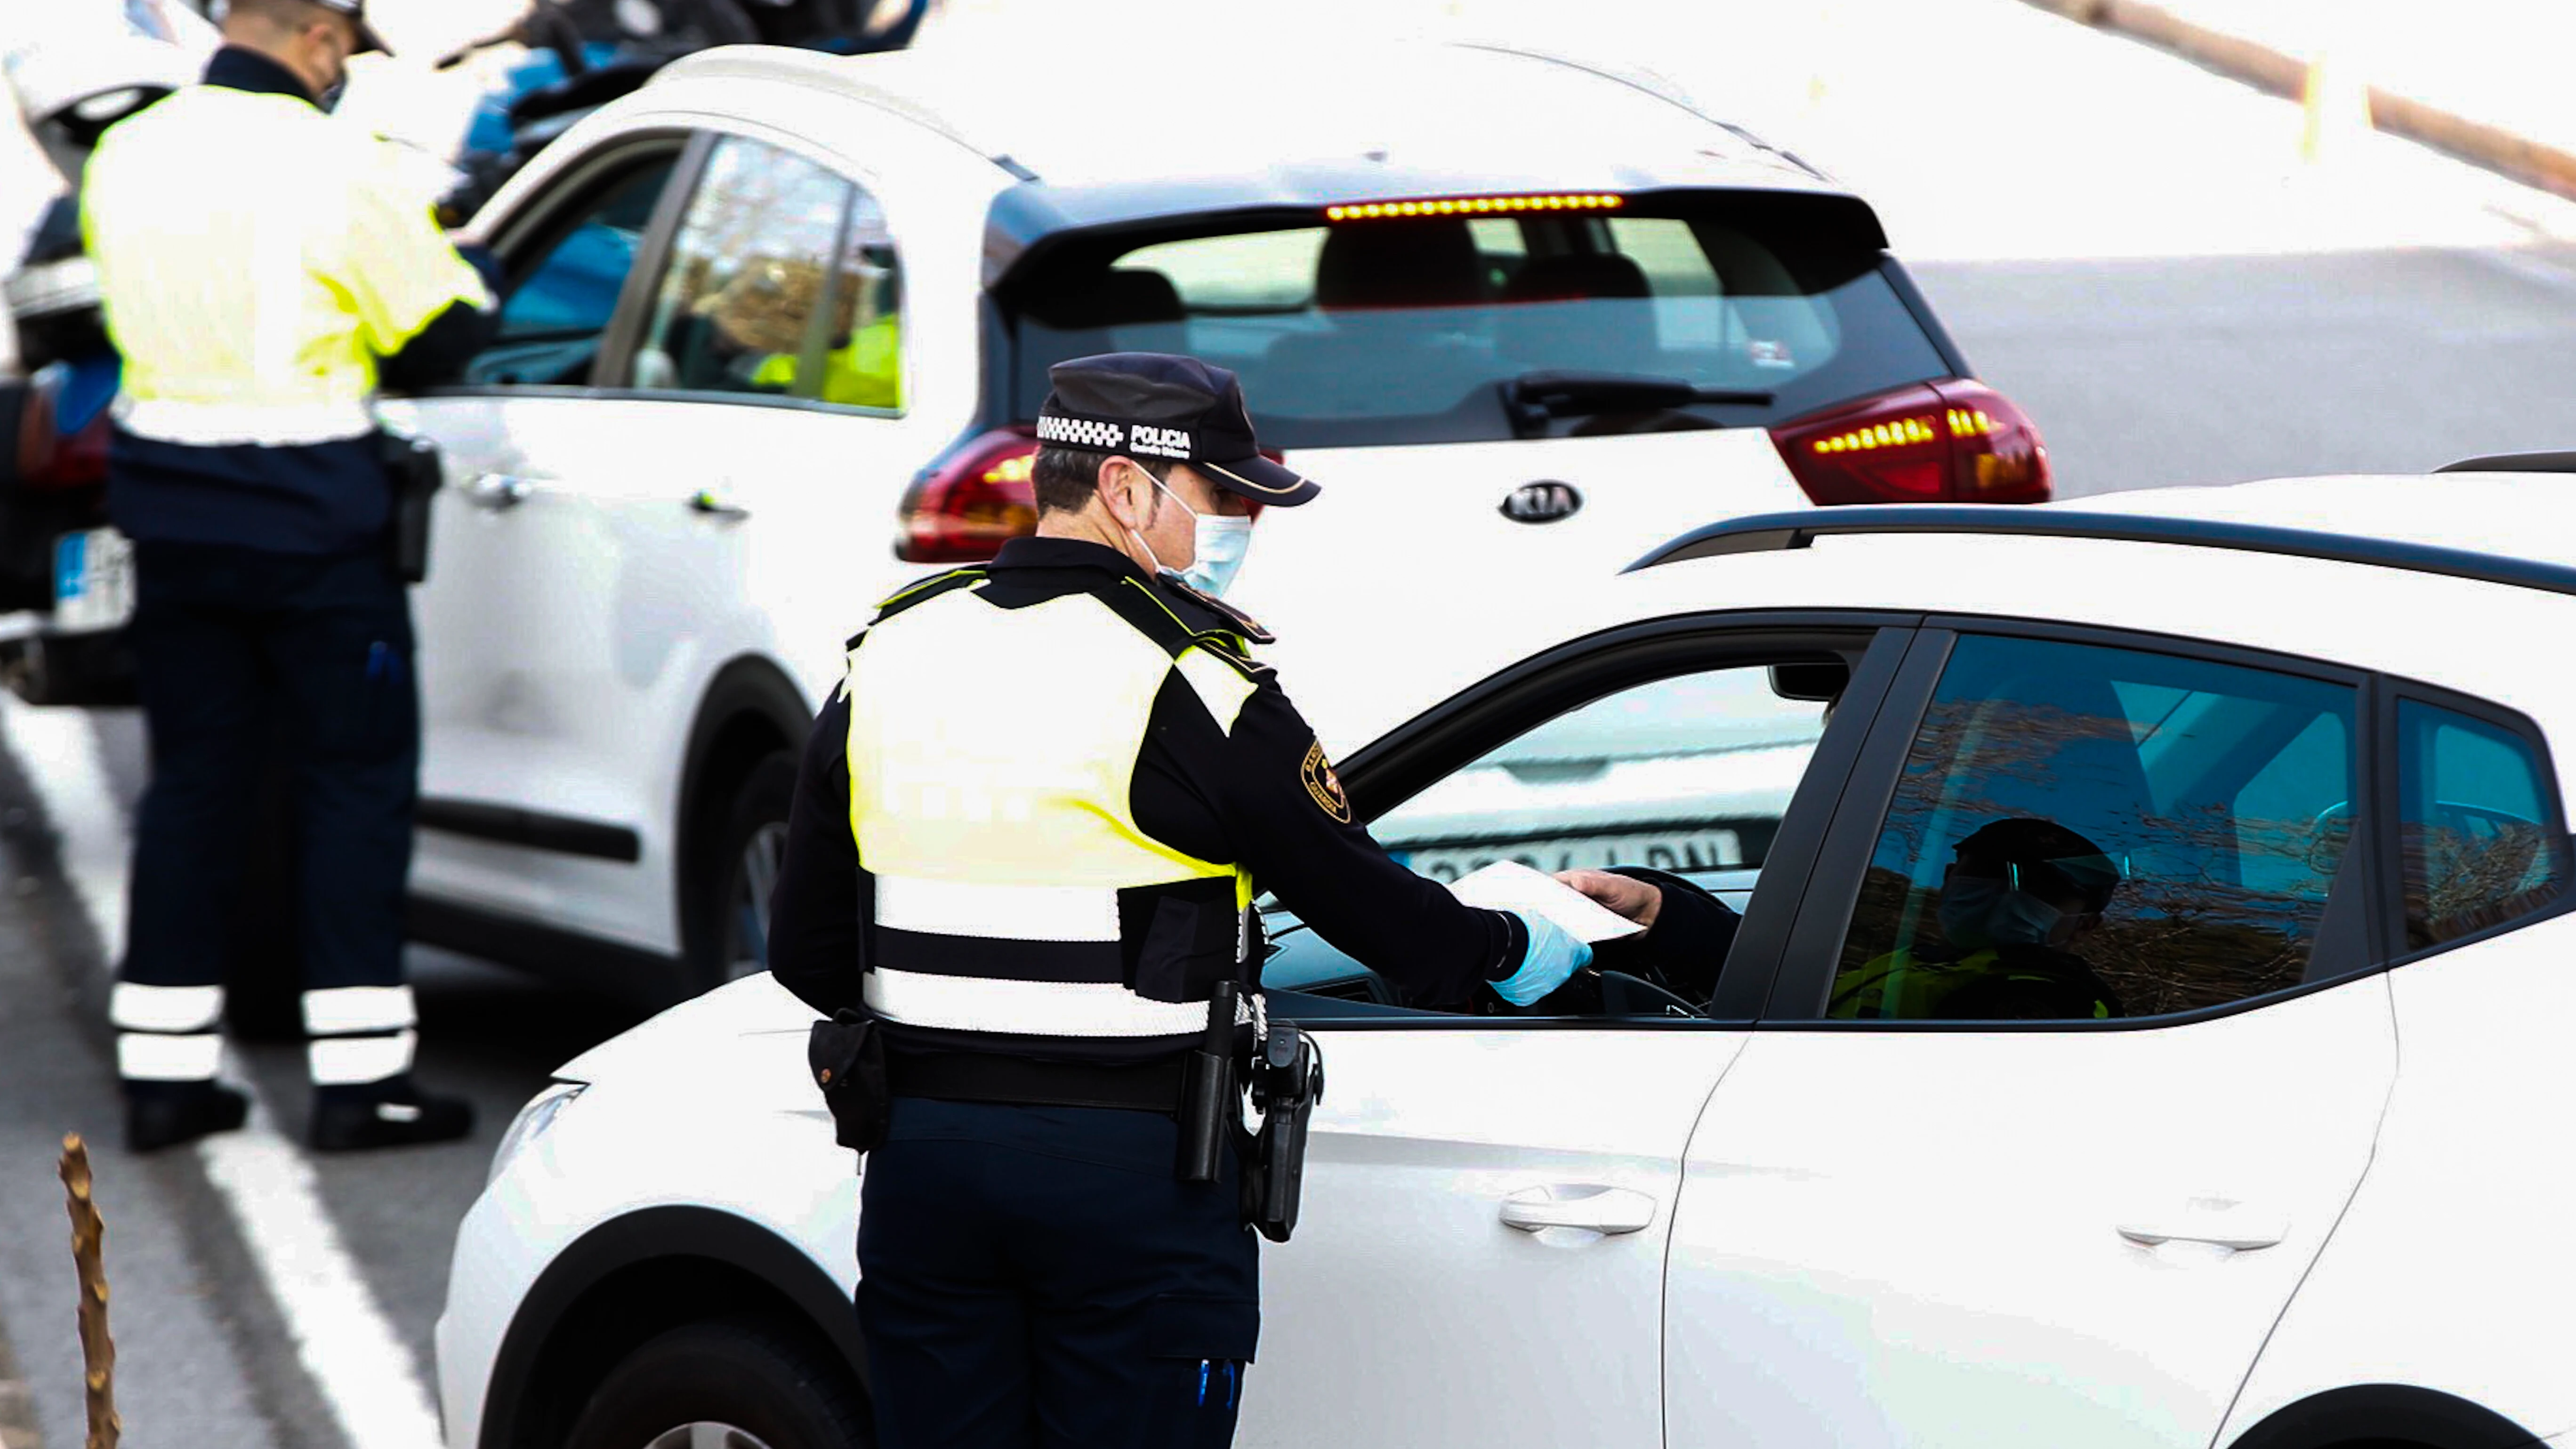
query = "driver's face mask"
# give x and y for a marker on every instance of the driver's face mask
(1981, 911)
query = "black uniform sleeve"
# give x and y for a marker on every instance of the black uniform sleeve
(1288, 821)
(439, 354)
(814, 909)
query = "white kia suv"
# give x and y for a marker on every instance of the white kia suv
(1796, 1191)
(778, 323)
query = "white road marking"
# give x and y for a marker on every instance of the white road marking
(342, 1336)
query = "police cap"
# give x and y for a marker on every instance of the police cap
(356, 10)
(1163, 405)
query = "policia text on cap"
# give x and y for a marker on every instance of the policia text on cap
(261, 265)
(1025, 842)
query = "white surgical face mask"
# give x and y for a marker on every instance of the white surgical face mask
(1976, 912)
(1218, 545)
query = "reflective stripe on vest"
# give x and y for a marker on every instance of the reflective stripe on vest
(991, 754)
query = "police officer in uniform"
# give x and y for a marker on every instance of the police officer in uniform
(1026, 838)
(260, 267)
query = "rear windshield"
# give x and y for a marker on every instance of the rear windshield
(1415, 330)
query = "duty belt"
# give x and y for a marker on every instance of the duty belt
(1018, 1081)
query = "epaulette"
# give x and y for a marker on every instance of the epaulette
(1157, 620)
(1235, 621)
(923, 592)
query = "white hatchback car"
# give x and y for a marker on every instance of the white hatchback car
(778, 323)
(1794, 1194)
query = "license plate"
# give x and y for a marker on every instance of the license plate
(93, 581)
(1691, 851)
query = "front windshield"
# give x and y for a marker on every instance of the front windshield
(1411, 329)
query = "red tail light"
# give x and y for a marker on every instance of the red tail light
(965, 506)
(1934, 442)
(48, 458)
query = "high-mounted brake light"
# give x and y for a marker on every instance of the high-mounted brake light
(1952, 441)
(1475, 205)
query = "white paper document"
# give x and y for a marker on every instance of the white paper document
(1508, 885)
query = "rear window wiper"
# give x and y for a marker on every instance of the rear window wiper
(1533, 398)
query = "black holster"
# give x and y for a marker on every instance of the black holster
(412, 470)
(1287, 1080)
(848, 1059)
(1208, 1115)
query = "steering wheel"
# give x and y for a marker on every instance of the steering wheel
(1626, 995)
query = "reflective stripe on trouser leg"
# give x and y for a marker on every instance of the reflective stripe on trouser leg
(349, 1061)
(145, 1056)
(133, 1006)
(341, 1010)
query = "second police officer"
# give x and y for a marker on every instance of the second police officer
(1025, 842)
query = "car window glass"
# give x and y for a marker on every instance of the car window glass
(1408, 329)
(751, 300)
(2088, 833)
(1689, 774)
(559, 305)
(2475, 826)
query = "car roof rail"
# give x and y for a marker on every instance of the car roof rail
(1773, 532)
(2514, 463)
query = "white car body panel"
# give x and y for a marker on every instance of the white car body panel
(569, 639)
(1914, 1237)
(1420, 1138)
(2451, 1268)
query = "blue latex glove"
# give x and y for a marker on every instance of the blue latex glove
(1553, 955)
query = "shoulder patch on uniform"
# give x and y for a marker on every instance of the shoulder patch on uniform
(1325, 786)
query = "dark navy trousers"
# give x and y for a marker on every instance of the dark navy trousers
(232, 644)
(1036, 1278)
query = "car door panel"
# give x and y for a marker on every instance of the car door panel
(1917, 1238)
(2042, 1232)
(1406, 1310)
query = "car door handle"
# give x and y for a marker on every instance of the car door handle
(715, 503)
(2233, 1226)
(1586, 1205)
(498, 491)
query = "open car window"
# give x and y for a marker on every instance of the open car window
(1689, 774)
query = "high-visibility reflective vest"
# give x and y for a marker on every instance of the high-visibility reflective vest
(991, 755)
(254, 257)
(1900, 986)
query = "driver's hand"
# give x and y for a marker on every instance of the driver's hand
(1637, 900)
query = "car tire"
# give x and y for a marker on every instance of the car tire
(773, 1389)
(731, 888)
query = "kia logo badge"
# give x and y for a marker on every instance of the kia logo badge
(1545, 501)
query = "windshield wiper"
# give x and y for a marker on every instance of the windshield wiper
(1533, 398)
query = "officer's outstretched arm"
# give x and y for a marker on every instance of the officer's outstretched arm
(1291, 825)
(815, 910)
(401, 277)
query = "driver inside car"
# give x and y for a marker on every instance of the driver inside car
(1686, 938)
(2016, 898)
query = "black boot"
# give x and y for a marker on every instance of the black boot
(165, 1114)
(390, 1113)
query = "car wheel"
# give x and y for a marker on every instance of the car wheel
(740, 871)
(729, 1384)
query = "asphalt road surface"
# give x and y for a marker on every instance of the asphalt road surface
(2130, 247)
